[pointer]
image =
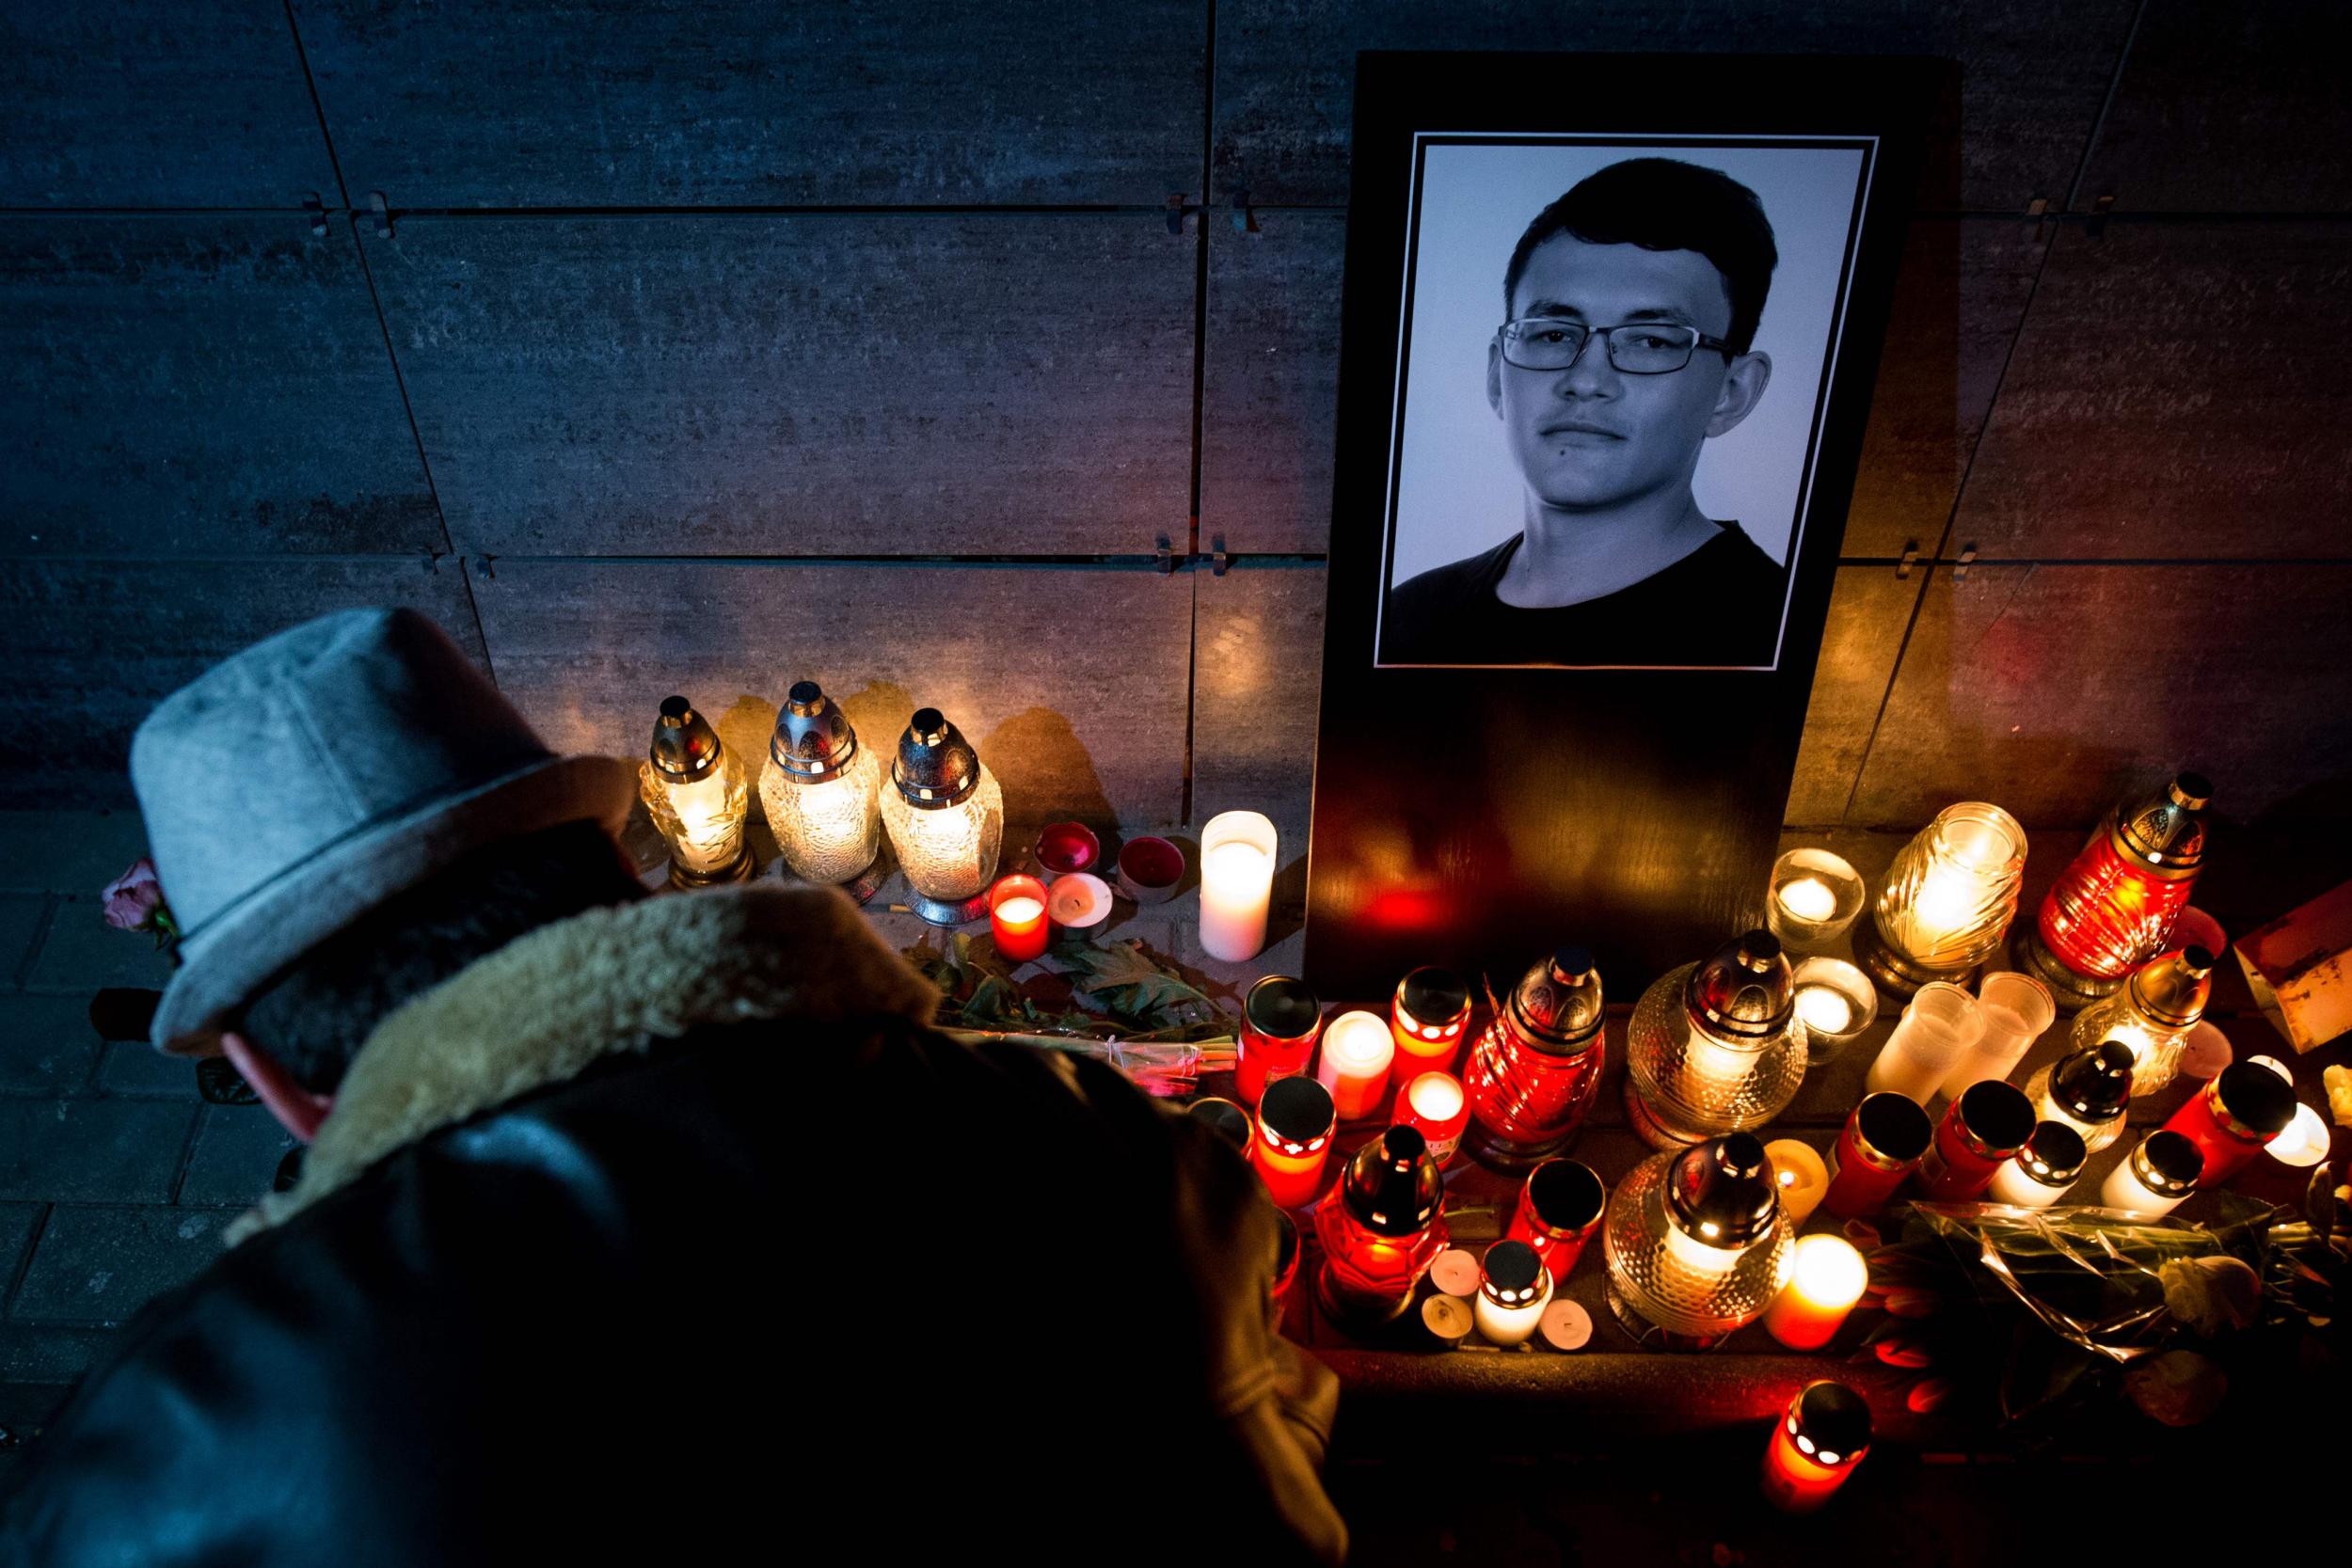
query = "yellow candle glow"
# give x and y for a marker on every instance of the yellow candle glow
(1809, 898)
(1801, 1176)
(1020, 912)
(1825, 1009)
(1829, 1278)
(1356, 1051)
(2303, 1142)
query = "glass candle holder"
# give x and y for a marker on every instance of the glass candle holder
(1715, 1047)
(1802, 1176)
(1236, 884)
(1534, 1070)
(2114, 906)
(2016, 1009)
(1295, 1127)
(1559, 1208)
(1695, 1242)
(1280, 1020)
(2153, 1014)
(1016, 918)
(1354, 1064)
(1513, 1292)
(2233, 1117)
(2086, 1090)
(695, 789)
(1940, 1025)
(822, 793)
(1827, 1279)
(1427, 1017)
(1434, 1105)
(1948, 899)
(2303, 1142)
(2039, 1174)
(1836, 1002)
(945, 812)
(1881, 1144)
(1815, 1447)
(1980, 1132)
(1380, 1229)
(1813, 898)
(2161, 1172)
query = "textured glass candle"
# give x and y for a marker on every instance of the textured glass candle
(1947, 901)
(2153, 1014)
(2016, 1009)
(1427, 1016)
(1815, 1447)
(1513, 1292)
(1696, 1243)
(821, 790)
(1813, 896)
(946, 816)
(2114, 906)
(1236, 884)
(1715, 1047)
(1941, 1025)
(1827, 1279)
(695, 790)
(1380, 1229)
(1534, 1070)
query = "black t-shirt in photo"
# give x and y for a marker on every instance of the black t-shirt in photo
(1720, 605)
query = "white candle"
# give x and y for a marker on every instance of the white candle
(1500, 1324)
(2303, 1142)
(1825, 1009)
(2013, 1186)
(1357, 1050)
(1809, 898)
(1802, 1174)
(1236, 884)
(1829, 1278)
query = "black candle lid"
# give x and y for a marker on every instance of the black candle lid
(1835, 1419)
(1722, 1191)
(936, 768)
(1744, 992)
(814, 741)
(1297, 1110)
(2095, 1084)
(1227, 1118)
(1566, 1195)
(1282, 1008)
(2054, 1155)
(2254, 1100)
(1392, 1185)
(2167, 828)
(1995, 1117)
(2168, 1164)
(1513, 1271)
(1434, 995)
(1558, 1003)
(1893, 1128)
(684, 748)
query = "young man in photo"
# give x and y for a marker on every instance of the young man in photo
(1632, 305)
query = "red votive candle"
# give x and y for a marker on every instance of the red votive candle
(1431, 1010)
(1016, 917)
(1987, 1124)
(1295, 1123)
(1816, 1443)
(1434, 1105)
(1881, 1145)
(1558, 1210)
(1280, 1020)
(2240, 1109)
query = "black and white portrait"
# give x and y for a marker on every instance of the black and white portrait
(1612, 366)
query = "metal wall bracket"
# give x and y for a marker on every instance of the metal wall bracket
(2038, 209)
(1910, 559)
(383, 212)
(1165, 558)
(1178, 210)
(1959, 568)
(1218, 560)
(2097, 223)
(1244, 218)
(316, 210)
(483, 563)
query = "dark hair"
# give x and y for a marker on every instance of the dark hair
(317, 1013)
(1665, 204)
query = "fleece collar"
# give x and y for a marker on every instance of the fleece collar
(547, 1005)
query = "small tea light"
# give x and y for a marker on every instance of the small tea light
(1836, 1002)
(1016, 917)
(1449, 1319)
(1356, 1051)
(1828, 1278)
(1565, 1325)
(1801, 1176)
(1063, 847)
(2303, 1143)
(1813, 896)
(1148, 869)
(1456, 1272)
(1078, 900)
(1434, 1103)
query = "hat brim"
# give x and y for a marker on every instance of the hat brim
(240, 950)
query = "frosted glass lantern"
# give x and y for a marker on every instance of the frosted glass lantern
(1948, 899)
(822, 792)
(1715, 1048)
(945, 814)
(2153, 1014)
(698, 798)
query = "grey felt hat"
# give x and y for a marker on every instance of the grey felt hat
(294, 787)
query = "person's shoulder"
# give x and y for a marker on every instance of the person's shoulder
(1733, 554)
(1453, 581)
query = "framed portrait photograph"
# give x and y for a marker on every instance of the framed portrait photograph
(1606, 358)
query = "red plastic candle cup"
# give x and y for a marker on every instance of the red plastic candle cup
(1818, 1441)
(1881, 1145)
(1295, 1123)
(1433, 1103)
(1280, 1020)
(1982, 1131)
(2231, 1117)
(1559, 1209)
(1016, 917)
(1427, 1018)
(1148, 869)
(1066, 847)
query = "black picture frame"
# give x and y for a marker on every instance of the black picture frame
(1479, 813)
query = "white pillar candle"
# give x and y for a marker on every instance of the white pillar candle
(1236, 883)
(1509, 1325)
(2013, 1186)
(1356, 1051)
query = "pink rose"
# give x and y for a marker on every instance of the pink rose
(134, 899)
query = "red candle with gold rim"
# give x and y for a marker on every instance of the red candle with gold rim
(1280, 1020)
(1016, 918)
(1427, 1017)
(1295, 1123)
(1816, 1443)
